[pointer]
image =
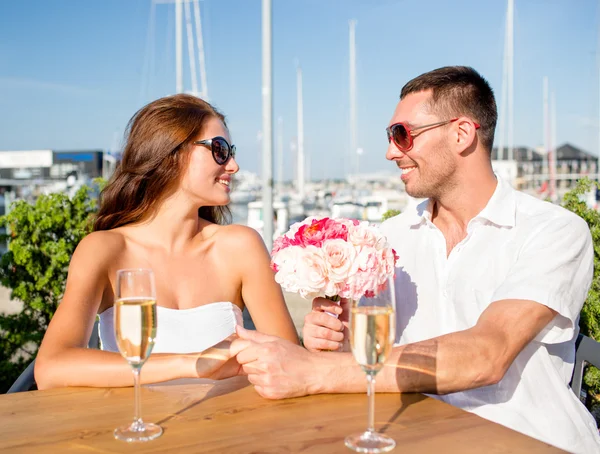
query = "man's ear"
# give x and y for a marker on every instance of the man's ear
(464, 134)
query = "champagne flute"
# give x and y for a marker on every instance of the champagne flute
(135, 330)
(372, 334)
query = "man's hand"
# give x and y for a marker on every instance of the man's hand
(276, 367)
(324, 332)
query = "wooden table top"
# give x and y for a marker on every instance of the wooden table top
(230, 417)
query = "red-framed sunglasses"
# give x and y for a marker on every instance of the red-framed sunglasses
(402, 134)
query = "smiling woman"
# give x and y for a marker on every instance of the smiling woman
(165, 208)
(159, 146)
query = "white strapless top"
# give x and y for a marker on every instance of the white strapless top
(181, 330)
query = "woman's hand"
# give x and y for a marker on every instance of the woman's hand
(325, 332)
(217, 362)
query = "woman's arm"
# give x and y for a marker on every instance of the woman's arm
(261, 294)
(64, 360)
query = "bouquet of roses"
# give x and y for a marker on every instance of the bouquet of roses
(333, 258)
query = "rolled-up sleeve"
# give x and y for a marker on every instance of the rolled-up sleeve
(554, 267)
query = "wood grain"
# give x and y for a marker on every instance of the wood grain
(230, 417)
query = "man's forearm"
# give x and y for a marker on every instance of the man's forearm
(445, 364)
(408, 369)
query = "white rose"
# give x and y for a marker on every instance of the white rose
(311, 272)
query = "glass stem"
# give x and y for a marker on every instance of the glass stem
(371, 397)
(137, 417)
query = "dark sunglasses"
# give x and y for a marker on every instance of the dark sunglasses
(221, 150)
(402, 134)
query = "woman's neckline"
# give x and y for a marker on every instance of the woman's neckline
(188, 310)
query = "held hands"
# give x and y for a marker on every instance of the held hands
(218, 361)
(276, 367)
(322, 332)
(279, 368)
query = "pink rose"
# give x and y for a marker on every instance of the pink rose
(387, 259)
(291, 233)
(320, 230)
(349, 223)
(359, 284)
(339, 257)
(367, 259)
(311, 234)
(364, 235)
(336, 230)
(282, 242)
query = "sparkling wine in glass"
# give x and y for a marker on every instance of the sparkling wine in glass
(372, 334)
(135, 330)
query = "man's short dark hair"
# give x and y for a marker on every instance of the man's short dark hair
(459, 90)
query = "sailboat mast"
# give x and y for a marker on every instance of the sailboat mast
(552, 157)
(546, 166)
(502, 115)
(353, 141)
(279, 155)
(201, 60)
(190, 46)
(178, 48)
(510, 47)
(300, 117)
(267, 124)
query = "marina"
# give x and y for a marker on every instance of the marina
(283, 111)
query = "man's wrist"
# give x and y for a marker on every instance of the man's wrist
(320, 373)
(328, 368)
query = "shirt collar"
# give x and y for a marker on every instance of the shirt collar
(421, 213)
(500, 209)
(502, 206)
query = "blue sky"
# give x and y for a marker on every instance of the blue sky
(72, 72)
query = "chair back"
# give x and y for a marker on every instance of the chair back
(26, 381)
(587, 350)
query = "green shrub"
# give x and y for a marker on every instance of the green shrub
(389, 214)
(41, 239)
(589, 321)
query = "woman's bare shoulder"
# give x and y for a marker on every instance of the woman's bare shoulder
(243, 248)
(103, 243)
(239, 236)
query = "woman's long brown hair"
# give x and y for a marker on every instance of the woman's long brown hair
(158, 136)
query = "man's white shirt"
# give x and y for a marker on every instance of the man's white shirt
(517, 247)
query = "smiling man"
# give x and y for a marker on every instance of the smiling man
(489, 284)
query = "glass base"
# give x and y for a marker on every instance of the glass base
(370, 442)
(138, 431)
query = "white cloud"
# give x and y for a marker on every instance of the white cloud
(32, 84)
